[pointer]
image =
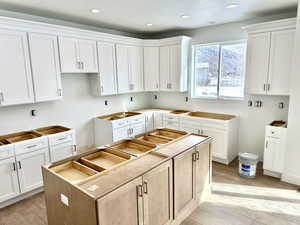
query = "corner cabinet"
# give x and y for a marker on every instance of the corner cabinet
(16, 76)
(269, 57)
(174, 65)
(129, 68)
(78, 55)
(145, 200)
(45, 69)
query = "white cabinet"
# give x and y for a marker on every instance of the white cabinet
(174, 66)
(108, 131)
(107, 80)
(220, 137)
(129, 68)
(274, 152)
(9, 179)
(269, 57)
(78, 55)
(151, 68)
(29, 169)
(45, 67)
(281, 58)
(15, 77)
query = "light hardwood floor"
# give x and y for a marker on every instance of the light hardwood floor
(235, 201)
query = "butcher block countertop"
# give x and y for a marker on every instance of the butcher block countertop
(96, 180)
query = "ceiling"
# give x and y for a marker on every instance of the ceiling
(133, 15)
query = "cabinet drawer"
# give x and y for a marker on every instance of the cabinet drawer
(273, 132)
(170, 117)
(31, 145)
(6, 151)
(120, 123)
(61, 138)
(137, 119)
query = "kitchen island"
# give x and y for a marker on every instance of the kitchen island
(156, 178)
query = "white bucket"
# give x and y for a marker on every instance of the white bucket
(248, 163)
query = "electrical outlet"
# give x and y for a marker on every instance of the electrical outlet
(131, 99)
(105, 102)
(186, 99)
(281, 105)
(250, 103)
(258, 104)
(155, 97)
(33, 112)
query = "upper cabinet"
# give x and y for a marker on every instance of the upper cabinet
(78, 55)
(15, 77)
(174, 65)
(269, 57)
(45, 67)
(129, 68)
(151, 68)
(107, 80)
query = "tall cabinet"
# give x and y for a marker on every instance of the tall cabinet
(269, 57)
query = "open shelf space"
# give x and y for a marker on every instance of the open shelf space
(21, 136)
(168, 133)
(154, 139)
(105, 159)
(133, 147)
(52, 130)
(73, 171)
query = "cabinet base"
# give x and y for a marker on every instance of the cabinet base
(272, 174)
(20, 197)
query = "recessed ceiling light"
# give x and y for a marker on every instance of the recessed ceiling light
(185, 16)
(232, 5)
(149, 24)
(95, 10)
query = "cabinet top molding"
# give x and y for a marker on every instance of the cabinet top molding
(60, 30)
(271, 26)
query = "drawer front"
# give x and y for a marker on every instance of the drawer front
(274, 132)
(171, 125)
(198, 122)
(120, 123)
(6, 151)
(137, 119)
(61, 138)
(171, 117)
(31, 145)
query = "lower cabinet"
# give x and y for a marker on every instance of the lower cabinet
(9, 179)
(146, 200)
(29, 169)
(191, 176)
(62, 151)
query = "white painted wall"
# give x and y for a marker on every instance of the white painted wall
(77, 110)
(292, 160)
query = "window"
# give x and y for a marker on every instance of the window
(219, 70)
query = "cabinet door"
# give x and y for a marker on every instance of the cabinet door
(88, 56)
(136, 76)
(164, 68)
(123, 206)
(9, 187)
(175, 67)
(29, 169)
(149, 118)
(45, 67)
(151, 68)
(202, 168)
(15, 77)
(281, 57)
(158, 194)
(122, 69)
(158, 120)
(120, 133)
(107, 68)
(219, 145)
(138, 128)
(184, 181)
(272, 147)
(62, 151)
(69, 55)
(258, 55)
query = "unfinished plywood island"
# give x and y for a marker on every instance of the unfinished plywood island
(157, 178)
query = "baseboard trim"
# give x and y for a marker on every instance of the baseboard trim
(292, 179)
(21, 197)
(272, 174)
(219, 160)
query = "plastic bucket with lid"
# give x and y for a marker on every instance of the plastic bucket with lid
(248, 163)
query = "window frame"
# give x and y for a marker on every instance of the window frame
(193, 83)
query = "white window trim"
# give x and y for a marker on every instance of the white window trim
(193, 71)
